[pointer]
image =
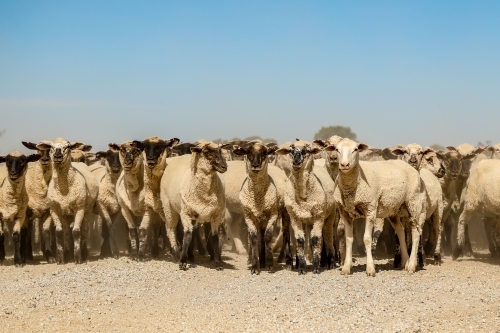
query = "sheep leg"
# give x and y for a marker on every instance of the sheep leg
(467, 244)
(342, 245)
(188, 234)
(48, 240)
(412, 263)
(285, 227)
(250, 248)
(316, 245)
(217, 238)
(105, 246)
(489, 224)
(29, 245)
(59, 221)
(421, 253)
(234, 233)
(367, 239)
(262, 247)
(171, 229)
(198, 240)
(2, 242)
(84, 237)
(463, 219)
(112, 237)
(67, 243)
(155, 231)
(329, 241)
(253, 242)
(378, 227)
(143, 233)
(77, 236)
(210, 248)
(268, 240)
(348, 227)
(400, 232)
(300, 260)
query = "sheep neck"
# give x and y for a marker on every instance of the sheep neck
(134, 178)
(332, 169)
(13, 190)
(303, 177)
(63, 175)
(204, 184)
(348, 181)
(258, 182)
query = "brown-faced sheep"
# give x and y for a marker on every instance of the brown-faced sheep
(13, 203)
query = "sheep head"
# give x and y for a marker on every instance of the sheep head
(44, 153)
(348, 153)
(154, 149)
(301, 152)
(466, 149)
(431, 162)
(412, 154)
(17, 164)
(111, 158)
(60, 150)
(130, 156)
(331, 156)
(453, 160)
(209, 156)
(257, 153)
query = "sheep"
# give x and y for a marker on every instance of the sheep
(425, 161)
(376, 189)
(154, 152)
(452, 162)
(14, 202)
(72, 191)
(482, 195)
(107, 202)
(130, 190)
(309, 201)
(262, 202)
(192, 191)
(83, 155)
(37, 182)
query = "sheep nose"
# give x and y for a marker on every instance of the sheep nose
(344, 165)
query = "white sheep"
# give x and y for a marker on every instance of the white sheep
(376, 190)
(192, 192)
(482, 195)
(261, 201)
(107, 205)
(72, 191)
(13, 203)
(425, 161)
(309, 202)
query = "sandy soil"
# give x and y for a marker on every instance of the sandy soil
(122, 295)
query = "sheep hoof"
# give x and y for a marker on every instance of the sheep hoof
(346, 270)
(316, 270)
(456, 253)
(255, 271)
(437, 259)
(218, 265)
(370, 271)
(183, 266)
(301, 271)
(289, 266)
(270, 269)
(155, 251)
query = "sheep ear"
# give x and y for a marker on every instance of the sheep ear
(137, 144)
(330, 148)
(43, 146)
(87, 148)
(272, 150)
(196, 149)
(101, 154)
(240, 151)
(376, 151)
(314, 150)
(441, 154)
(228, 145)
(320, 143)
(362, 147)
(172, 142)
(398, 151)
(428, 152)
(272, 144)
(34, 157)
(451, 148)
(77, 145)
(29, 145)
(3, 159)
(479, 150)
(114, 146)
(283, 151)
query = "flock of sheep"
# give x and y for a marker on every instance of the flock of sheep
(309, 198)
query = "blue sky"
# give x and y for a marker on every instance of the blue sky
(110, 71)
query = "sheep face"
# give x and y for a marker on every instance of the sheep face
(81, 155)
(155, 149)
(301, 152)
(129, 155)
(210, 156)
(17, 164)
(466, 150)
(60, 150)
(44, 153)
(257, 154)
(331, 156)
(112, 160)
(411, 154)
(453, 161)
(348, 153)
(182, 149)
(434, 164)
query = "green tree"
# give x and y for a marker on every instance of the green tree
(342, 131)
